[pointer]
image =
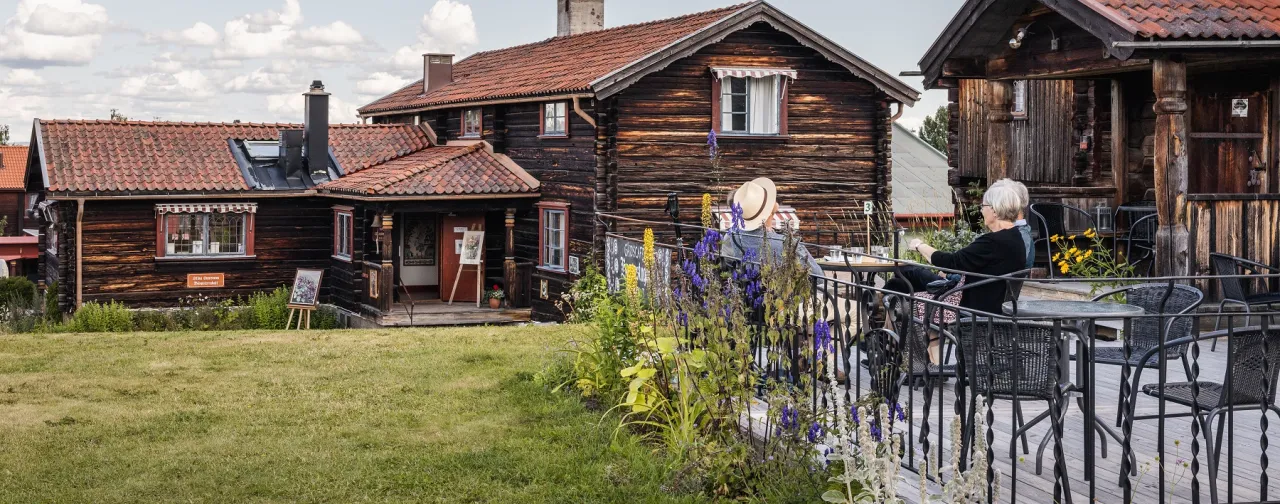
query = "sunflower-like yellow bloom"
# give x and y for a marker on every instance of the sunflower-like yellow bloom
(1072, 237)
(1055, 237)
(1090, 233)
(1080, 258)
(1056, 256)
(1089, 253)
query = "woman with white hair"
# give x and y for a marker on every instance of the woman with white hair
(999, 252)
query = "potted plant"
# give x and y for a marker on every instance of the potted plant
(495, 297)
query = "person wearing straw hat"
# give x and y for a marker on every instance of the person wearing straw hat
(758, 200)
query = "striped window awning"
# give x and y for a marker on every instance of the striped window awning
(190, 208)
(786, 216)
(757, 73)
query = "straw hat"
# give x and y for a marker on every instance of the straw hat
(757, 199)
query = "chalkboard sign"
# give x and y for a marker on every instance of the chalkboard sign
(619, 252)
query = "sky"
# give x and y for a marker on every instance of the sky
(185, 60)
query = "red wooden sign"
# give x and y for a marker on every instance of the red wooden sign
(206, 280)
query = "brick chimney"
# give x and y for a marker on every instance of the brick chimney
(437, 71)
(579, 16)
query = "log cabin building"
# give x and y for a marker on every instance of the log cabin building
(612, 121)
(1108, 101)
(531, 144)
(18, 244)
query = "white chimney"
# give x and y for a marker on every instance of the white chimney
(579, 16)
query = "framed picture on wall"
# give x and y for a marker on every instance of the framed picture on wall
(420, 242)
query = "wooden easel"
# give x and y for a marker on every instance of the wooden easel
(304, 314)
(479, 282)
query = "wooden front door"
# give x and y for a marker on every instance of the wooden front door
(451, 230)
(1227, 146)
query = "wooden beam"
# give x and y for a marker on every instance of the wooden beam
(1119, 142)
(1169, 76)
(79, 252)
(509, 256)
(999, 129)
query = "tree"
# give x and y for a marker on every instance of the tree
(116, 116)
(935, 128)
(4, 134)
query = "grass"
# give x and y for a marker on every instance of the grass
(447, 415)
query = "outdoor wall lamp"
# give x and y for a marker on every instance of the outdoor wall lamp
(1016, 42)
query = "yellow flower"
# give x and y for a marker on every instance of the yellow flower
(1064, 268)
(1089, 253)
(1073, 251)
(1056, 256)
(1072, 237)
(1090, 233)
(648, 248)
(631, 279)
(706, 211)
(1080, 258)
(1055, 237)
(1062, 264)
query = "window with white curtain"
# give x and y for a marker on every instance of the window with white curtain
(750, 105)
(555, 119)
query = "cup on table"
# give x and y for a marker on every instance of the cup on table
(857, 253)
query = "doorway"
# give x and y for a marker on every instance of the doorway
(1227, 118)
(419, 251)
(452, 229)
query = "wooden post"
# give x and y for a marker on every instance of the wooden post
(999, 131)
(387, 280)
(1119, 143)
(1169, 75)
(509, 257)
(79, 253)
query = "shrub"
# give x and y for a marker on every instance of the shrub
(17, 291)
(586, 296)
(97, 317)
(269, 311)
(52, 312)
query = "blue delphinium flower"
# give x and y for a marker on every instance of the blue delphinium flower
(822, 337)
(738, 221)
(875, 430)
(898, 411)
(712, 143)
(854, 410)
(816, 432)
(790, 417)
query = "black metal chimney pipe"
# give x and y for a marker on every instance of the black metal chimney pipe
(316, 128)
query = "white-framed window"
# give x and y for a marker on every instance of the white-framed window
(343, 229)
(205, 234)
(553, 223)
(472, 123)
(751, 105)
(1019, 98)
(555, 119)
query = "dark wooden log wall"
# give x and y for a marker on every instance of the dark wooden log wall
(1044, 143)
(13, 206)
(346, 278)
(835, 158)
(119, 253)
(1246, 226)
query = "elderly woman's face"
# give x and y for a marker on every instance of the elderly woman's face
(988, 216)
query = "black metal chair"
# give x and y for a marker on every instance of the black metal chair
(1145, 333)
(1133, 211)
(1141, 236)
(883, 351)
(1013, 361)
(1249, 384)
(1058, 219)
(1235, 290)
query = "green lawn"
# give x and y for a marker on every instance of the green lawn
(446, 415)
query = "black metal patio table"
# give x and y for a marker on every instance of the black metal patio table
(1087, 313)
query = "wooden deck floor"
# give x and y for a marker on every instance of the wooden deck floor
(1240, 478)
(439, 313)
(1240, 475)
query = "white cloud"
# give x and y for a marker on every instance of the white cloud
(23, 77)
(259, 35)
(182, 86)
(261, 81)
(380, 84)
(449, 27)
(52, 33)
(289, 107)
(336, 33)
(199, 34)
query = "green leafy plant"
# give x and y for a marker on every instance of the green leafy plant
(101, 317)
(269, 310)
(495, 293)
(585, 296)
(940, 237)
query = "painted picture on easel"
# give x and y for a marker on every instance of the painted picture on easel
(472, 247)
(306, 288)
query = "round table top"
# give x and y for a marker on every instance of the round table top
(1073, 309)
(841, 265)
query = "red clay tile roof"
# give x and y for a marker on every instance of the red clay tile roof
(1173, 19)
(438, 171)
(556, 65)
(105, 156)
(13, 167)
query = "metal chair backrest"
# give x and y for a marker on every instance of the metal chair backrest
(1061, 219)
(1223, 264)
(1144, 229)
(1180, 300)
(1255, 364)
(884, 363)
(1001, 358)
